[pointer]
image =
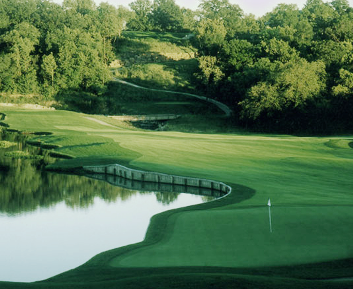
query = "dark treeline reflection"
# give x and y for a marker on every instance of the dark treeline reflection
(25, 186)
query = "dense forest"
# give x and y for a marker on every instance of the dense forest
(288, 71)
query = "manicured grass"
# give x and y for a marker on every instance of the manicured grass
(307, 178)
(300, 235)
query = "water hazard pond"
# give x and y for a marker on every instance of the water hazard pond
(51, 222)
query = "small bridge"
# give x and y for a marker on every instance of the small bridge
(152, 117)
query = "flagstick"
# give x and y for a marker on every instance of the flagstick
(269, 214)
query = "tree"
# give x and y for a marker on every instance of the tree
(80, 6)
(189, 19)
(4, 18)
(292, 87)
(283, 15)
(110, 22)
(47, 16)
(210, 71)
(210, 35)
(21, 42)
(237, 54)
(125, 15)
(79, 59)
(279, 50)
(333, 53)
(110, 26)
(19, 11)
(230, 14)
(344, 87)
(287, 23)
(166, 16)
(320, 15)
(49, 66)
(341, 6)
(142, 9)
(342, 28)
(7, 72)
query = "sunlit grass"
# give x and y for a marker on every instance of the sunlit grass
(6, 144)
(308, 180)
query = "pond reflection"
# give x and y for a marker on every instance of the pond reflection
(53, 222)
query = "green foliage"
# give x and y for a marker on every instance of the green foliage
(54, 50)
(230, 14)
(210, 35)
(238, 54)
(265, 63)
(344, 87)
(279, 50)
(210, 72)
(141, 20)
(6, 144)
(292, 86)
(166, 16)
(46, 48)
(20, 44)
(48, 67)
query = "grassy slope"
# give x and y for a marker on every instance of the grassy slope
(307, 179)
(156, 60)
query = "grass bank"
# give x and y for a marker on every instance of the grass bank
(227, 242)
(156, 60)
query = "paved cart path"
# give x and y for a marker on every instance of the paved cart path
(228, 112)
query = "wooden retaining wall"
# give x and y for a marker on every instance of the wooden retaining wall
(159, 178)
(154, 117)
(154, 187)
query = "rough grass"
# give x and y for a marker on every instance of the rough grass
(138, 41)
(308, 181)
(127, 100)
(156, 60)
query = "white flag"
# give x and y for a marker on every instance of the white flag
(269, 203)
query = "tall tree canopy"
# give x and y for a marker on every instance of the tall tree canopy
(287, 69)
(46, 48)
(166, 15)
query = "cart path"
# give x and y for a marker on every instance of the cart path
(228, 112)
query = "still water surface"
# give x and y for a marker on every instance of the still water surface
(51, 223)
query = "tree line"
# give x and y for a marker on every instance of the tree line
(46, 48)
(289, 70)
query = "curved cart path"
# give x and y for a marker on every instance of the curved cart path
(228, 112)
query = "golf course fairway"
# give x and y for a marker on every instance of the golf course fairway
(307, 179)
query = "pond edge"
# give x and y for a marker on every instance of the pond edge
(160, 178)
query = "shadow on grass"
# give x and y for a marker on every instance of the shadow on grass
(85, 145)
(131, 44)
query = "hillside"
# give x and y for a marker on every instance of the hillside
(158, 60)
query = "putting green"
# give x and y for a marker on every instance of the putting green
(242, 238)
